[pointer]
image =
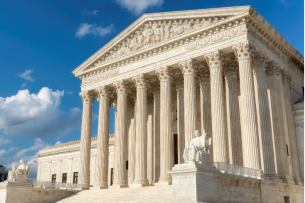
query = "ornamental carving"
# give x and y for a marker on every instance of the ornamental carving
(179, 80)
(243, 50)
(165, 73)
(152, 33)
(167, 51)
(286, 79)
(259, 60)
(203, 73)
(272, 70)
(188, 66)
(102, 92)
(230, 66)
(214, 59)
(141, 80)
(121, 86)
(87, 96)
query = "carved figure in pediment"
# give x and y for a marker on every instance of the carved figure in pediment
(157, 31)
(149, 36)
(139, 43)
(132, 44)
(180, 28)
(189, 25)
(172, 31)
(167, 31)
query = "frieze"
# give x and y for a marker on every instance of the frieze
(188, 46)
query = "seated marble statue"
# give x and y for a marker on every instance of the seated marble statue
(20, 174)
(199, 151)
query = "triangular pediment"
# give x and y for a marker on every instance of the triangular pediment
(155, 28)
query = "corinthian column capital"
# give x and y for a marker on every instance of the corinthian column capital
(259, 60)
(141, 80)
(102, 92)
(203, 73)
(243, 50)
(121, 86)
(214, 59)
(165, 73)
(273, 70)
(286, 79)
(87, 96)
(179, 80)
(231, 67)
(188, 66)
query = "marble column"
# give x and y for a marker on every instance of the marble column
(150, 138)
(179, 81)
(263, 115)
(188, 68)
(120, 139)
(250, 139)
(205, 102)
(132, 139)
(85, 143)
(166, 137)
(274, 83)
(156, 122)
(141, 130)
(291, 129)
(233, 119)
(101, 168)
(220, 144)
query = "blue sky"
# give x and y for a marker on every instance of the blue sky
(42, 42)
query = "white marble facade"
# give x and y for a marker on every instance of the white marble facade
(226, 71)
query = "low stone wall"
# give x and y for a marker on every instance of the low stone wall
(202, 183)
(18, 194)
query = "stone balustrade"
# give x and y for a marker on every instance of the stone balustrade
(238, 170)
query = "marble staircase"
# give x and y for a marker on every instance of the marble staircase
(126, 195)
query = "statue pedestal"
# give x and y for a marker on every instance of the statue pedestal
(194, 182)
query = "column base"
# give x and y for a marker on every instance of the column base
(119, 184)
(140, 182)
(96, 187)
(299, 181)
(166, 180)
(85, 186)
(287, 179)
(272, 177)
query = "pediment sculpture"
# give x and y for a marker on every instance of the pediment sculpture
(199, 149)
(20, 174)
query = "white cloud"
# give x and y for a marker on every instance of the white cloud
(23, 84)
(37, 115)
(5, 141)
(94, 29)
(90, 13)
(138, 6)
(26, 75)
(38, 145)
(2, 152)
(69, 92)
(58, 143)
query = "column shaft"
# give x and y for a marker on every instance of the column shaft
(132, 144)
(220, 145)
(233, 120)
(85, 143)
(120, 139)
(263, 116)
(141, 131)
(190, 115)
(250, 139)
(150, 148)
(277, 123)
(157, 134)
(180, 116)
(101, 168)
(205, 102)
(291, 130)
(166, 139)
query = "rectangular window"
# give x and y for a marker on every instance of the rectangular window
(75, 177)
(287, 150)
(286, 199)
(64, 178)
(175, 149)
(111, 176)
(53, 178)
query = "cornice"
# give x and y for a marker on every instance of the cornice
(274, 38)
(202, 13)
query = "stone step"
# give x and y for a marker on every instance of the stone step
(126, 195)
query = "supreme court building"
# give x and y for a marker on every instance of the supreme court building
(226, 71)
